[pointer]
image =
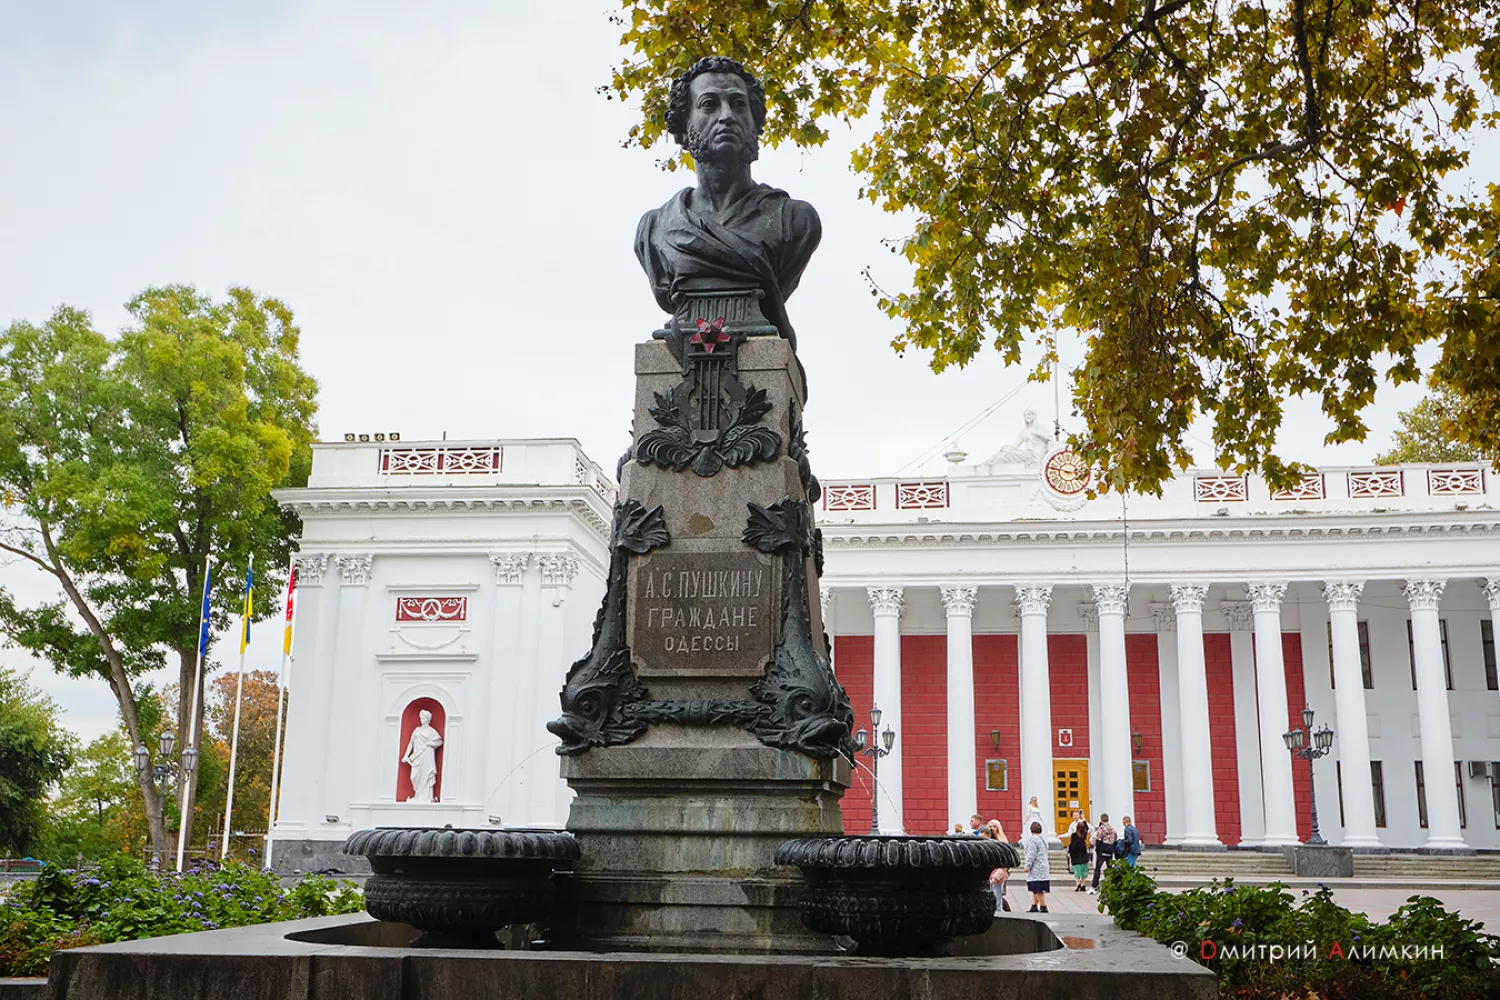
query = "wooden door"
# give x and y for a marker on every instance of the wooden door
(1070, 787)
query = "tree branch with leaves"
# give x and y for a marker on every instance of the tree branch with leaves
(1233, 203)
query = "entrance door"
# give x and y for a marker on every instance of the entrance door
(1070, 785)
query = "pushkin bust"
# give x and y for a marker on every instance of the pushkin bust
(729, 231)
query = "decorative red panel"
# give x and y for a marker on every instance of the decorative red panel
(1218, 659)
(1145, 718)
(440, 461)
(849, 496)
(854, 662)
(432, 609)
(924, 735)
(996, 708)
(921, 496)
(1296, 700)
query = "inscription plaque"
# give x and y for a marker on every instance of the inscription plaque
(703, 612)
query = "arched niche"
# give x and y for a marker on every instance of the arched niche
(409, 722)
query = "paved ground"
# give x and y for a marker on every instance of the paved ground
(1476, 904)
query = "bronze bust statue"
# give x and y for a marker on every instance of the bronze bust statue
(729, 231)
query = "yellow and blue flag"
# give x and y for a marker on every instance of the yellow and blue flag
(245, 615)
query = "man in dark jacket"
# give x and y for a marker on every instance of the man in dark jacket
(1130, 842)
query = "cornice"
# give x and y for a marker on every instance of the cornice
(334, 501)
(1311, 528)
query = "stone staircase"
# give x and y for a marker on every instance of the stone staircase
(1186, 868)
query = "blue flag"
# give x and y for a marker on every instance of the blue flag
(208, 574)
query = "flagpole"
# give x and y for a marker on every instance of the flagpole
(283, 687)
(191, 731)
(239, 688)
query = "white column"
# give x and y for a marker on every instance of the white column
(353, 734)
(502, 798)
(963, 773)
(1115, 748)
(1351, 723)
(1192, 694)
(1171, 736)
(1270, 682)
(1443, 832)
(1246, 723)
(309, 703)
(886, 604)
(1036, 706)
(1089, 615)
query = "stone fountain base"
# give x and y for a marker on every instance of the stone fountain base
(1074, 957)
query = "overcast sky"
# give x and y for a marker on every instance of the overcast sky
(440, 195)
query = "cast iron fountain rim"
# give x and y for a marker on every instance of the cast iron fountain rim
(448, 842)
(897, 851)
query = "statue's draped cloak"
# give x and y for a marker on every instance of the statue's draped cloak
(763, 240)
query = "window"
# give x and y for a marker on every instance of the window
(1338, 773)
(1495, 790)
(1140, 775)
(996, 776)
(1411, 653)
(1458, 779)
(1487, 642)
(1364, 656)
(1421, 798)
(1377, 781)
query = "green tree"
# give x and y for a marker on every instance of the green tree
(35, 751)
(96, 810)
(252, 782)
(1427, 433)
(1232, 202)
(126, 462)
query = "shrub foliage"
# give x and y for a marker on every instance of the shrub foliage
(122, 901)
(1326, 951)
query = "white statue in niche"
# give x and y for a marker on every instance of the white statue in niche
(1031, 446)
(421, 754)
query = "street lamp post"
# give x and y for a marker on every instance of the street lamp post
(874, 750)
(162, 772)
(1310, 745)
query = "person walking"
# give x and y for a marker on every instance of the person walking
(1038, 869)
(1079, 845)
(1104, 848)
(1130, 842)
(998, 877)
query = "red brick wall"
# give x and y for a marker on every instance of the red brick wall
(1068, 669)
(997, 695)
(1145, 718)
(1296, 695)
(854, 663)
(1218, 659)
(924, 735)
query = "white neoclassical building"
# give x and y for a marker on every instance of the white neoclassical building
(1140, 657)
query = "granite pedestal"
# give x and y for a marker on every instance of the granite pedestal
(340, 958)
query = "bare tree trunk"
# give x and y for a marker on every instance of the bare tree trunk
(119, 682)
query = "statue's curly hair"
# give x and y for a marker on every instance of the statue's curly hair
(677, 99)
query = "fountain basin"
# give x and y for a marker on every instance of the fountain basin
(461, 886)
(897, 895)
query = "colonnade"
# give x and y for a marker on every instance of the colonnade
(1184, 706)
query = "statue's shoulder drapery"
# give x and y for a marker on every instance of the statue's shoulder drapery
(764, 240)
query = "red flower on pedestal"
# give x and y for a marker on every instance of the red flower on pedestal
(709, 335)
